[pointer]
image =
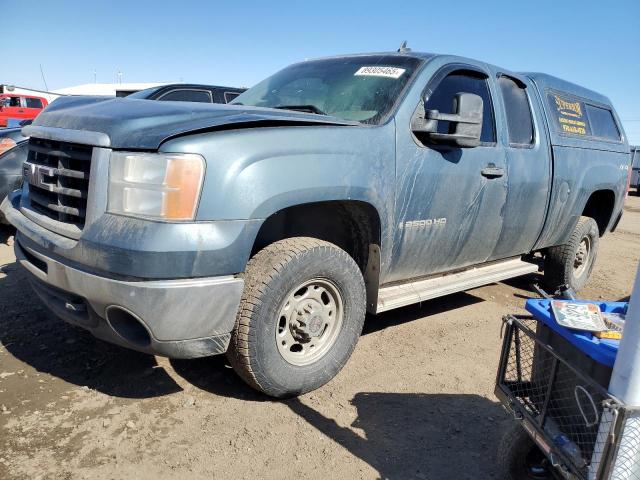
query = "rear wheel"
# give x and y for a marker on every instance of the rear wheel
(300, 317)
(571, 264)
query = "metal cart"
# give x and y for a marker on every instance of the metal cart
(577, 406)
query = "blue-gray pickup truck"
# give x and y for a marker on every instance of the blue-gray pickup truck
(267, 228)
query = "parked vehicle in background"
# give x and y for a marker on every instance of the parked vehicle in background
(9, 138)
(11, 161)
(20, 107)
(635, 169)
(13, 153)
(13, 123)
(186, 92)
(336, 186)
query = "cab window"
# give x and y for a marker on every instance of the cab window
(518, 111)
(230, 96)
(33, 102)
(468, 82)
(202, 96)
(11, 102)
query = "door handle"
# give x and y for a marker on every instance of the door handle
(20, 111)
(491, 171)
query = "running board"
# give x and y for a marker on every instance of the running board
(396, 296)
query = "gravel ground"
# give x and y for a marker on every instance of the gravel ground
(415, 400)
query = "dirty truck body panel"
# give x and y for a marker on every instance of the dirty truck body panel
(438, 207)
(576, 173)
(486, 218)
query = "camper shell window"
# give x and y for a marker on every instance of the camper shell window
(578, 118)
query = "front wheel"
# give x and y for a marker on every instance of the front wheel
(571, 264)
(300, 317)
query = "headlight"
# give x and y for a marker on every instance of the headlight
(165, 186)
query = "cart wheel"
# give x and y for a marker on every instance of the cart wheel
(519, 458)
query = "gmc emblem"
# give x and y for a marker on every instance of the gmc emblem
(34, 175)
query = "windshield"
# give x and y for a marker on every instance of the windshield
(362, 88)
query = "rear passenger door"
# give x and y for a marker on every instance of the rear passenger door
(528, 166)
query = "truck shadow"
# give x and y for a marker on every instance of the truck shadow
(418, 435)
(33, 335)
(214, 375)
(525, 282)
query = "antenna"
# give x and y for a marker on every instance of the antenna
(403, 48)
(95, 78)
(43, 79)
(119, 77)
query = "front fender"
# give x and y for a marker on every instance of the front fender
(253, 173)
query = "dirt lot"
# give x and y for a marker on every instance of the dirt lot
(415, 401)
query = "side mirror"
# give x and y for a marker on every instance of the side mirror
(465, 124)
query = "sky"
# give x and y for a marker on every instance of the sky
(590, 42)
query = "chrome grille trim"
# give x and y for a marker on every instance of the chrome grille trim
(57, 174)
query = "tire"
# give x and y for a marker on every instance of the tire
(560, 264)
(268, 328)
(519, 458)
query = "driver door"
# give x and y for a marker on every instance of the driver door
(449, 200)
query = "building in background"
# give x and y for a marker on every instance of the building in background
(12, 89)
(103, 89)
(106, 89)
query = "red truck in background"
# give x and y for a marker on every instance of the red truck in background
(20, 107)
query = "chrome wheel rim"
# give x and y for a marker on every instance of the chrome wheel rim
(309, 322)
(582, 257)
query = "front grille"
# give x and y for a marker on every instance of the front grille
(58, 177)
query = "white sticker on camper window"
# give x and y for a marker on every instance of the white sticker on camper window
(373, 71)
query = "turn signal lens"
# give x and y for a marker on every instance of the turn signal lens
(165, 186)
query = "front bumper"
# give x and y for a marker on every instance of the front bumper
(178, 318)
(183, 318)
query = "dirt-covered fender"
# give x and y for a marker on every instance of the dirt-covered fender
(578, 173)
(255, 172)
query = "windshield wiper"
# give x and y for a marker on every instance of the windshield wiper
(301, 108)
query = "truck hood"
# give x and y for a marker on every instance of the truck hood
(145, 124)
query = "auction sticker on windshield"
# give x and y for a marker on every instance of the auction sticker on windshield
(373, 71)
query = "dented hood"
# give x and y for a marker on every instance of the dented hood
(145, 124)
